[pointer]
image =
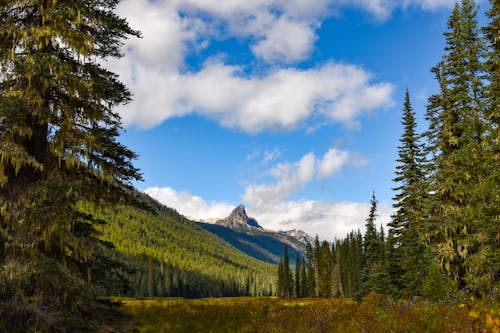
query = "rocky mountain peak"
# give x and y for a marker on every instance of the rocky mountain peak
(239, 219)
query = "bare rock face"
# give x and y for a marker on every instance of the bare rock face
(299, 235)
(238, 219)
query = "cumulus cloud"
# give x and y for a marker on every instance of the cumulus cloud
(189, 204)
(269, 202)
(291, 177)
(282, 33)
(327, 219)
(282, 99)
(286, 41)
(333, 160)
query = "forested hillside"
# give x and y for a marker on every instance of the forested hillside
(172, 256)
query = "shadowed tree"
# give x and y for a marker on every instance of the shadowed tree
(58, 146)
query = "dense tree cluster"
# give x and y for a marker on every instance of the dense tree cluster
(444, 237)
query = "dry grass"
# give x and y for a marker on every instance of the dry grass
(374, 314)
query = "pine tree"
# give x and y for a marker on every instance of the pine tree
(456, 227)
(405, 248)
(58, 146)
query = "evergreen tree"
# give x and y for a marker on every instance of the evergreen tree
(58, 146)
(405, 248)
(324, 270)
(373, 247)
(457, 225)
(311, 277)
(281, 280)
(490, 188)
(285, 279)
(303, 279)
(298, 282)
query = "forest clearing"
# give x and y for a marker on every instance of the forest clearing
(270, 314)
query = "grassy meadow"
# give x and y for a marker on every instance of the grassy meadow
(374, 314)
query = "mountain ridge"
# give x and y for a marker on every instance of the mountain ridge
(247, 235)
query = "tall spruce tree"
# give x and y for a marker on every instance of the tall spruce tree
(456, 227)
(405, 249)
(310, 271)
(324, 270)
(58, 146)
(297, 277)
(491, 189)
(373, 259)
(285, 278)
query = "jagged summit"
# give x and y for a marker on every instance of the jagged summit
(299, 235)
(239, 219)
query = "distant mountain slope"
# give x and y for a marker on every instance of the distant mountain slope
(173, 256)
(245, 234)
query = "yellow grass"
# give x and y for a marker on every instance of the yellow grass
(268, 314)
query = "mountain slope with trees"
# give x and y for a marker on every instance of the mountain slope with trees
(169, 255)
(245, 234)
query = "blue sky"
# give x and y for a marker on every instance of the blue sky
(289, 107)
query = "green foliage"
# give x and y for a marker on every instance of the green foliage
(373, 274)
(285, 279)
(405, 248)
(437, 286)
(58, 145)
(172, 256)
(462, 212)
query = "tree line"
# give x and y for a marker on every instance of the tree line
(444, 237)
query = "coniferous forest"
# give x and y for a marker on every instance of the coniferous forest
(443, 241)
(73, 229)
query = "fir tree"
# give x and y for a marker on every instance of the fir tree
(456, 227)
(310, 269)
(285, 279)
(405, 248)
(490, 188)
(297, 280)
(324, 270)
(58, 146)
(373, 248)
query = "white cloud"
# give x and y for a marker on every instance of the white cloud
(327, 219)
(333, 160)
(277, 32)
(282, 99)
(270, 205)
(264, 155)
(291, 177)
(188, 204)
(286, 41)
